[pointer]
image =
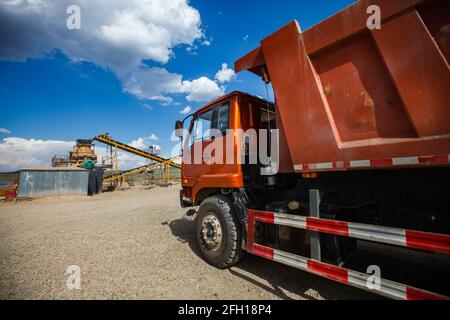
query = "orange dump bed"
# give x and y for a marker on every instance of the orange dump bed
(349, 97)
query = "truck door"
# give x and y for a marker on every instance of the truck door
(221, 123)
(208, 129)
(199, 139)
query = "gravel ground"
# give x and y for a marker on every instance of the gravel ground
(132, 245)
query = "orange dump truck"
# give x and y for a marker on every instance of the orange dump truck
(363, 120)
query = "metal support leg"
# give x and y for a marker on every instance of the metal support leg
(314, 211)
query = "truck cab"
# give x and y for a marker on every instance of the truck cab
(231, 116)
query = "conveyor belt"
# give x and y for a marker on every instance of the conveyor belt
(134, 171)
(106, 139)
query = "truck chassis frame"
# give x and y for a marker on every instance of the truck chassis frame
(380, 234)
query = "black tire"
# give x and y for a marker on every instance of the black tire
(229, 252)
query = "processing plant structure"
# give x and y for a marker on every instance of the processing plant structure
(82, 152)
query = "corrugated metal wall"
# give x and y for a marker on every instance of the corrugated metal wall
(48, 183)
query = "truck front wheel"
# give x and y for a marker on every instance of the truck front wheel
(219, 233)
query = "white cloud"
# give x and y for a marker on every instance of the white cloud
(192, 49)
(156, 83)
(139, 143)
(186, 110)
(117, 35)
(17, 153)
(129, 161)
(147, 106)
(202, 89)
(225, 74)
(153, 84)
(143, 143)
(5, 131)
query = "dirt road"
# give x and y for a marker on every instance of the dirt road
(132, 245)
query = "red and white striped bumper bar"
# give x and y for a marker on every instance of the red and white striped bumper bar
(401, 237)
(415, 161)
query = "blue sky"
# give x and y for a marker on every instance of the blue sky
(49, 96)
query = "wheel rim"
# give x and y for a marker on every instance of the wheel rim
(211, 232)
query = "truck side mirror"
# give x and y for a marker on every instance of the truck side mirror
(179, 129)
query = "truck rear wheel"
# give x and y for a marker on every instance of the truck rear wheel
(219, 233)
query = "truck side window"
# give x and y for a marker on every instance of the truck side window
(268, 118)
(223, 118)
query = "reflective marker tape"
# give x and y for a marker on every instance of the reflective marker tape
(375, 163)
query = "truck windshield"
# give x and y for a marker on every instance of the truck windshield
(202, 127)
